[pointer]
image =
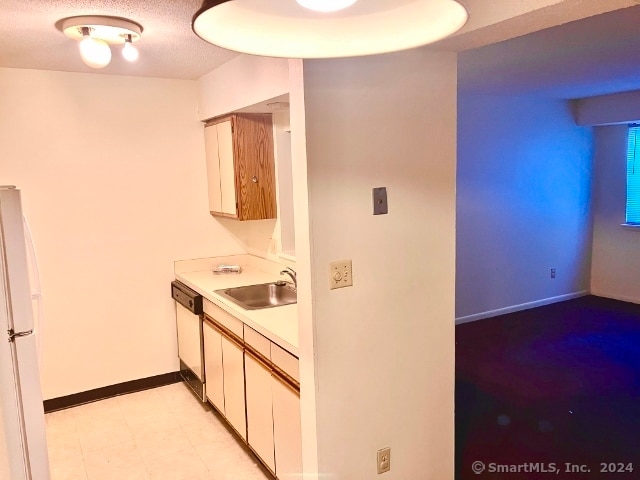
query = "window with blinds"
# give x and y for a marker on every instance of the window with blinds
(633, 176)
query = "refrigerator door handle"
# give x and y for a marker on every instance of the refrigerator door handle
(13, 335)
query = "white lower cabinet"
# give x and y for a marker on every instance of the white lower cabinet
(259, 410)
(255, 384)
(224, 370)
(287, 433)
(213, 366)
(234, 400)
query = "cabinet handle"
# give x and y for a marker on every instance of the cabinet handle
(285, 380)
(229, 335)
(258, 357)
(233, 339)
(254, 179)
(212, 323)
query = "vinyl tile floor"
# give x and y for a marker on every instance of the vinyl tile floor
(158, 434)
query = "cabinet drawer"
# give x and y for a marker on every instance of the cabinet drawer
(285, 362)
(225, 319)
(256, 341)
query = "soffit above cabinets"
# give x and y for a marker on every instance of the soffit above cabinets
(272, 105)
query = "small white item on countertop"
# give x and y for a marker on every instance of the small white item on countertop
(223, 269)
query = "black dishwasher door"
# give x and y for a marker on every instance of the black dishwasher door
(189, 299)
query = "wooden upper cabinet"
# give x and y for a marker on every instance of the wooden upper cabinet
(241, 167)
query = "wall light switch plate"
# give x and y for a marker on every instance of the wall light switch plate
(380, 205)
(340, 274)
(384, 460)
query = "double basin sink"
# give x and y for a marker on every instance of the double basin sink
(264, 295)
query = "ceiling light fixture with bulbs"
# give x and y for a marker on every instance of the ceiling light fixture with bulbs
(326, 28)
(97, 32)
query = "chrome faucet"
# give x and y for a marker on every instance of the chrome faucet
(292, 273)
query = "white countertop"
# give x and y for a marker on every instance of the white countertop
(278, 324)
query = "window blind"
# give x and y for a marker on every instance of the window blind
(633, 175)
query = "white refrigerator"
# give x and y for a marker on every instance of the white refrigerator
(23, 444)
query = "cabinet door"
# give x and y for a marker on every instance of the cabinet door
(259, 410)
(213, 366)
(227, 168)
(286, 430)
(255, 166)
(213, 168)
(233, 363)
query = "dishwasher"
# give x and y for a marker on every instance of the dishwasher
(189, 317)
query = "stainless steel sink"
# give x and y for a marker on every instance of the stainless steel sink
(264, 295)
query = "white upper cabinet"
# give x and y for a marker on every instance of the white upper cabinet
(227, 172)
(220, 168)
(213, 168)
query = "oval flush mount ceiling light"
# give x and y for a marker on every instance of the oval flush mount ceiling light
(97, 32)
(326, 5)
(284, 28)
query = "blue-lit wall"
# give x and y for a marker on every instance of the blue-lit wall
(523, 203)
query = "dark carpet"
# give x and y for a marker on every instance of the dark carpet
(543, 388)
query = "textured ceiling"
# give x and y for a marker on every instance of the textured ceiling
(594, 56)
(597, 55)
(168, 48)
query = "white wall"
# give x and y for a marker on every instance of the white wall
(615, 270)
(304, 267)
(113, 178)
(524, 179)
(284, 182)
(241, 82)
(384, 348)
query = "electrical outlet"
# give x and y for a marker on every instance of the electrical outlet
(553, 273)
(340, 274)
(384, 460)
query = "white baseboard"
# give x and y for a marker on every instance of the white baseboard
(522, 306)
(613, 296)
